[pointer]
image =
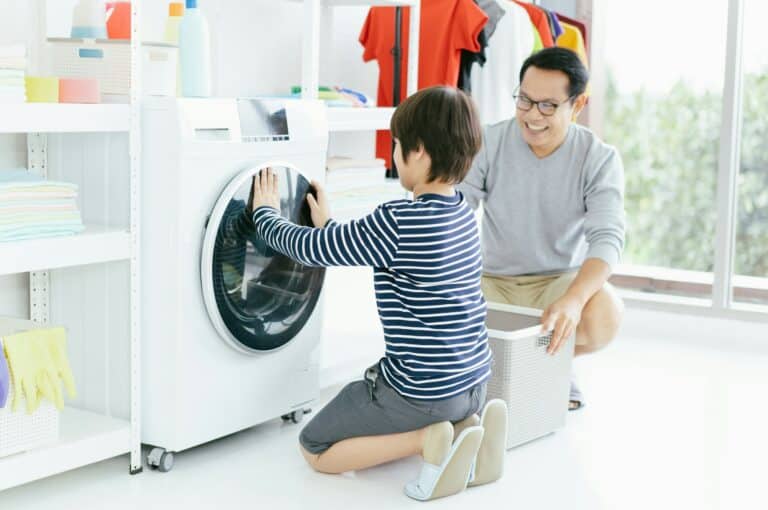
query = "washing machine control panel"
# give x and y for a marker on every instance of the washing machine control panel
(263, 120)
(254, 120)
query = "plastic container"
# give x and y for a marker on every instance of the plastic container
(160, 69)
(119, 20)
(89, 20)
(172, 24)
(175, 13)
(79, 90)
(109, 62)
(20, 431)
(194, 53)
(534, 384)
(42, 89)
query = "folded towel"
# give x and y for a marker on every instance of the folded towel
(13, 50)
(12, 73)
(13, 63)
(19, 175)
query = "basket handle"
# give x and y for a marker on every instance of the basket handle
(90, 53)
(544, 340)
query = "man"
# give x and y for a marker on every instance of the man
(553, 213)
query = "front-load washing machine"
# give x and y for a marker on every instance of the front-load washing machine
(230, 329)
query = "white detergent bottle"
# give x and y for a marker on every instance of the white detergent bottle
(175, 12)
(194, 53)
(89, 20)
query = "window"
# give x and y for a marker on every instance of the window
(751, 247)
(663, 72)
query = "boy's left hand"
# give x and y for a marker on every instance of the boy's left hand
(265, 192)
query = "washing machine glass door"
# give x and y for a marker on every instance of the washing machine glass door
(257, 299)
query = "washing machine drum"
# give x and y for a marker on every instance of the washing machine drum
(257, 299)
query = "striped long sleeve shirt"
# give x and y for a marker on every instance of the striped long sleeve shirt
(427, 267)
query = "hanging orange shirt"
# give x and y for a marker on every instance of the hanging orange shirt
(540, 22)
(446, 28)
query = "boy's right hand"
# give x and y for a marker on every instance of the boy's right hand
(319, 207)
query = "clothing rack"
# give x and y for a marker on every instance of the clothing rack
(392, 172)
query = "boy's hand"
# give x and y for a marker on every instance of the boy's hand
(321, 212)
(265, 192)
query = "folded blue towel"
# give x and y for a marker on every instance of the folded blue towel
(19, 175)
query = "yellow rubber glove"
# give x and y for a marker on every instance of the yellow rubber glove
(46, 375)
(22, 367)
(57, 345)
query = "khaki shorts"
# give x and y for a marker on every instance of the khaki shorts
(536, 291)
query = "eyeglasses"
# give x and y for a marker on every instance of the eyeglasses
(546, 108)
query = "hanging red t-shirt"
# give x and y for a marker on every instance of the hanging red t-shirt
(446, 28)
(540, 21)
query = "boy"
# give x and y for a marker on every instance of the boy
(427, 267)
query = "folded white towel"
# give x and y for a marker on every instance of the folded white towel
(13, 50)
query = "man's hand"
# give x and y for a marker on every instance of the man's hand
(264, 191)
(321, 211)
(563, 316)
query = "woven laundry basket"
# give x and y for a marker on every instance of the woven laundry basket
(534, 384)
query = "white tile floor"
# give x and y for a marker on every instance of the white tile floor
(669, 425)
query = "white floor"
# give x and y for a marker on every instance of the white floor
(668, 425)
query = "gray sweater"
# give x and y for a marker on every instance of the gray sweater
(546, 215)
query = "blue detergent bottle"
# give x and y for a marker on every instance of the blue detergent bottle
(194, 52)
(89, 20)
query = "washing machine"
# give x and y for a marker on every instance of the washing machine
(230, 329)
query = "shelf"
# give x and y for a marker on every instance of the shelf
(95, 245)
(368, 3)
(64, 118)
(359, 119)
(85, 438)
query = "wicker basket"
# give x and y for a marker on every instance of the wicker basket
(534, 384)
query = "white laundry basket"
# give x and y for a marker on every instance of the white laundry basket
(534, 384)
(20, 431)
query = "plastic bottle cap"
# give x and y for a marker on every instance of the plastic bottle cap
(175, 9)
(191, 4)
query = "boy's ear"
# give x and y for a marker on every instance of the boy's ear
(418, 151)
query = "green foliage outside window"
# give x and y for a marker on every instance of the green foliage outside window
(669, 145)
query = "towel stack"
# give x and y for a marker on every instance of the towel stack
(32, 207)
(13, 65)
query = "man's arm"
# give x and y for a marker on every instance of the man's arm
(604, 230)
(473, 187)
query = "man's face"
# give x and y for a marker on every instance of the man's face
(545, 133)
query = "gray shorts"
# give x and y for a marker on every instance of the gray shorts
(371, 408)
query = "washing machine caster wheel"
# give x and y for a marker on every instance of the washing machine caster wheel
(159, 459)
(296, 416)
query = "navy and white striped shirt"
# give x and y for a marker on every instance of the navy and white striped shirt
(427, 267)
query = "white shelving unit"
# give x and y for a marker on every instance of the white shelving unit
(64, 118)
(359, 119)
(316, 15)
(85, 437)
(97, 244)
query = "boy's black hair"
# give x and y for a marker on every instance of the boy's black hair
(444, 121)
(560, 59)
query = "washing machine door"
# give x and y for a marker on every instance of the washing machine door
(257, 299)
